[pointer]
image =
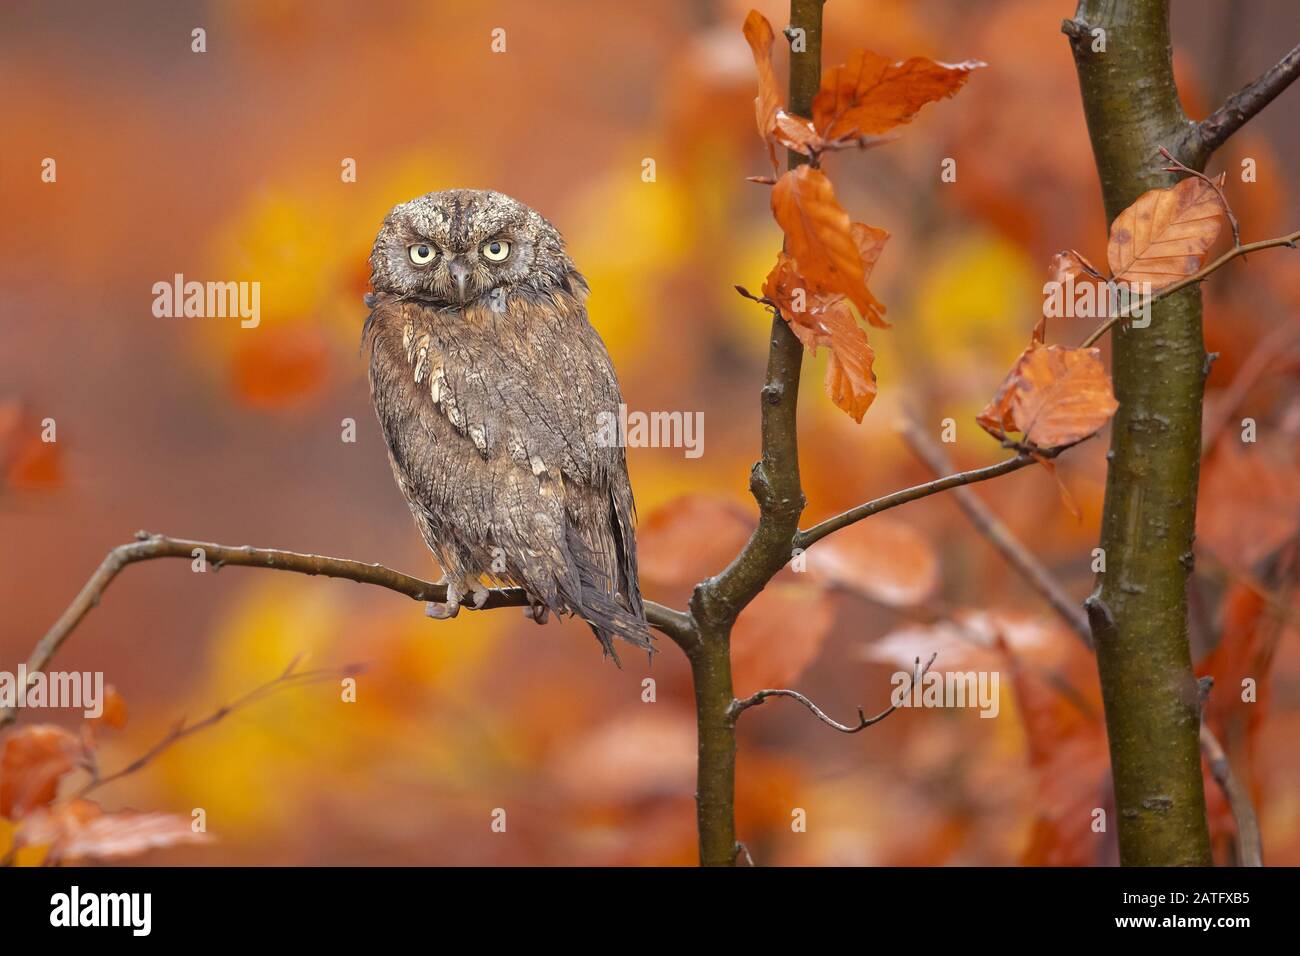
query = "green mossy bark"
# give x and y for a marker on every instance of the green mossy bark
(1139, 613)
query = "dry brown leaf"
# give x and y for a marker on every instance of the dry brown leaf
(1165, 234)
(775, 125)
(884, 559)
(850, 379)
(870, 241)
(1053, 396)
(800, 305)
(32, 763)
(822, 318)
(870, 94)
(821, 239)
(758, 33)
(778, 635)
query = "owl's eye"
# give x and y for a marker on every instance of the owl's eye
(496, 250)
(421, 253)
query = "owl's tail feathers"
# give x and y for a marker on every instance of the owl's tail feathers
(609, 614)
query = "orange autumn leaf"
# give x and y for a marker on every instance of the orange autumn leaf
(870, 241)
(778, 635)
(1165, 234)
(850, 379)
(1053, 396)
(870, 94)
(883, 559)
(801, 305)
(775, 125)
(32, 763)
(801, 301)
(821, 239)
(821, 318)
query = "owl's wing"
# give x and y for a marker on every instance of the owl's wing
(531, 388)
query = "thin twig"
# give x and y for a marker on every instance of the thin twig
(1250, 848)
(1287, 240)
(1213, 131)
(740, 706)
(289, 678)
(676, 624)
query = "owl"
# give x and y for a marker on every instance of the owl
(491, 386)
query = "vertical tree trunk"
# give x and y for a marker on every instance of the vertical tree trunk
(775, 483)
(1139, 613)
(715, 785)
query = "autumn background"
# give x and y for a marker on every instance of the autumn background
(226, 165)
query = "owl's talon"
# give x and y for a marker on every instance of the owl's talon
(538, 613)
(441, 612)
(479, 596)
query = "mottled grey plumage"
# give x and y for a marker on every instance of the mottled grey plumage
(488, 381)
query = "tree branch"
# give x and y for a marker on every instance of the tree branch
(676, 624)
(1000, 536)
(1213, 131)
(1288, 240)
(805, 539)
(739, 706)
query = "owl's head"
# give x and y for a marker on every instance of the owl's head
(456, 246)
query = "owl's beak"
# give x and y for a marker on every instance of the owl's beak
(460, 272)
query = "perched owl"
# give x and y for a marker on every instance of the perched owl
(490, 385)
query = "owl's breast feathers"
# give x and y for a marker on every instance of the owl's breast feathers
(492, 415)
